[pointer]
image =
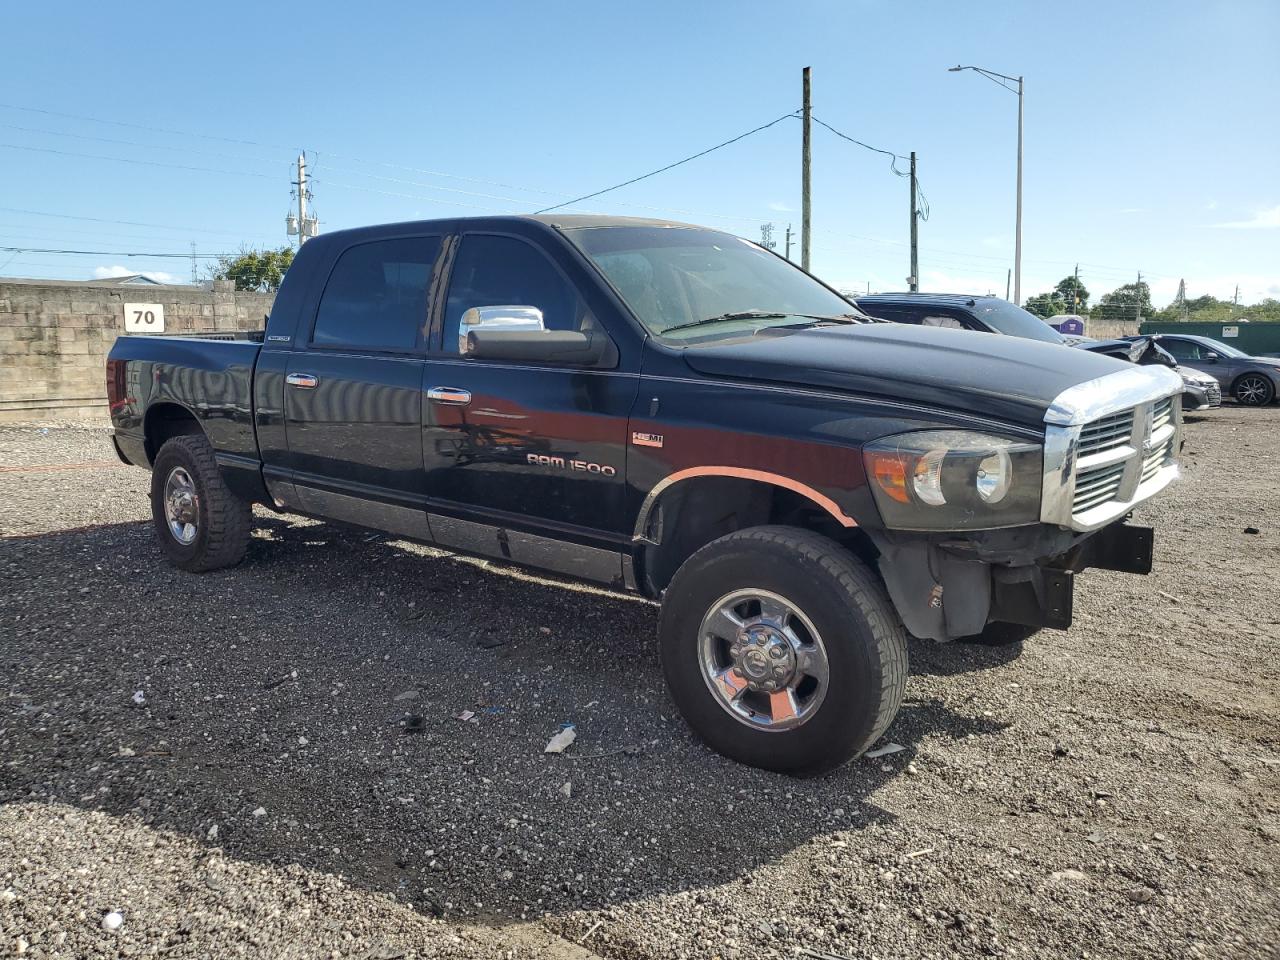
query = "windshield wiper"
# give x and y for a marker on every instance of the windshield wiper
(738, 315)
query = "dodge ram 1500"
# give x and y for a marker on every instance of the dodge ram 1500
(674, 411)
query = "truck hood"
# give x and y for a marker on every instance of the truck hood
(993, 376)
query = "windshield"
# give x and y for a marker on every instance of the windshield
(1003, 317)
(1221, 347)
(704, 282)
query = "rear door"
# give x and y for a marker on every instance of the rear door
(524, 461)
(353, 410)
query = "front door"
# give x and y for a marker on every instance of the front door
(525, 462)
(353, 410)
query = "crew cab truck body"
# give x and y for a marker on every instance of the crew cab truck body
(673, 411)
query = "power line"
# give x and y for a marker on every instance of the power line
(121, 223)
(671, 166)
(135, 143)
(114, 253)
(893, 157)
(147, 163)
(143, 126)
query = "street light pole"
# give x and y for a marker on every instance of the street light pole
(1017, 236)
(1004, 81)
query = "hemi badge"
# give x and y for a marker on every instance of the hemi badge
(278, 339)
(647, 439)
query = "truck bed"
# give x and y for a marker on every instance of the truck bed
(211, 376)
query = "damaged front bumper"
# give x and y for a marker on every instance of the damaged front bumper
(945, 589)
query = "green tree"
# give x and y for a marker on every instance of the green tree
(1045, 305)
(256, 270)
(1071, 285)
(1129, 302)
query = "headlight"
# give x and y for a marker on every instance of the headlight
(954, 480)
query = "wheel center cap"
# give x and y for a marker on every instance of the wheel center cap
(764, 657)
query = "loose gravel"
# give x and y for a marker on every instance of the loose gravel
(336, 749)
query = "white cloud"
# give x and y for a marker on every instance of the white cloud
(1265, 219)
(779, 207)
(159, 276)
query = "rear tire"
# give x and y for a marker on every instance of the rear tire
(200, 523)
(1254, 390)
(797, 602)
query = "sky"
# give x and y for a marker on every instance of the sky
(1151, 141)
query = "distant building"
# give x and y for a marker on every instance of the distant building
(131, 279)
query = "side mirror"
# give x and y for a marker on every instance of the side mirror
(1210, 356)
(507, 318)
(571, 347)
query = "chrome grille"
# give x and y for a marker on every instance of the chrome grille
(1106, 434)
(1097, 487)
(1112, 455)
(1214, 392)
(1109, 444)
(1161, 413)
(1156, 459)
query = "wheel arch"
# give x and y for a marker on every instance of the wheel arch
(691, 507)
(165, 420)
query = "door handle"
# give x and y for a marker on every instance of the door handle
(306, 381)
(449, 395)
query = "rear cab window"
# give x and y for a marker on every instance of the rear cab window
(376, 296)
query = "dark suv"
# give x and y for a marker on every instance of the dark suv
(961, 312)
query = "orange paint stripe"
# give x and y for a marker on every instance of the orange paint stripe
(49, 467)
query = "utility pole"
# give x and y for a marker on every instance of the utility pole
(1138, 297)
(804, 179)
(195, 278)
(1075, 291)
(1008, 277)
(913, 281)
(300, 224)
(1235, 300)
(302, 199)
(788, 241)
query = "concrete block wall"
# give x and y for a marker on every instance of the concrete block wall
(55, 336)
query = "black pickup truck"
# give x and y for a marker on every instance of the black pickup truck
(674, 411)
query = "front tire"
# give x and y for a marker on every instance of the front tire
(200, 523)
(782, 650)
(1254, 390)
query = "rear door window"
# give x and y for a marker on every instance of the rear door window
(376, 297)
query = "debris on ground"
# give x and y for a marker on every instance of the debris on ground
(884, 751)
(560, 742)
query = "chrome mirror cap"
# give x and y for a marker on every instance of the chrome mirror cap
(507, 318)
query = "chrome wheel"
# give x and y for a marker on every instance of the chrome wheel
(763, 660)
(1253, 390)
(181, 505)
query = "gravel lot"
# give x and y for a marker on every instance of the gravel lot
(268, 761)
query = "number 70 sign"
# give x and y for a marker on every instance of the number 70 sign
(143, 318)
